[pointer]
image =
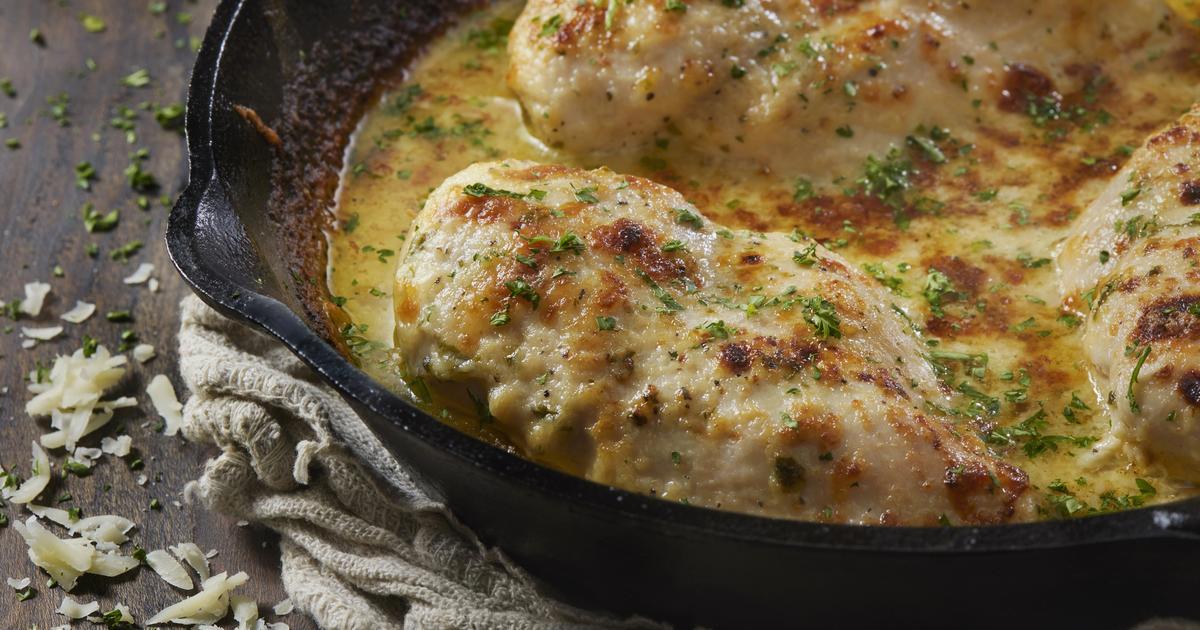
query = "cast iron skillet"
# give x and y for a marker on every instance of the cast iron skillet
(246, 234)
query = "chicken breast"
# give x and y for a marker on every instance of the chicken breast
(1132, 267)
(610, 330)
(784, 84)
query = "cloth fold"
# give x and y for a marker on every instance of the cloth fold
(361, 545)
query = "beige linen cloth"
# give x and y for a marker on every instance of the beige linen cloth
(362, 546)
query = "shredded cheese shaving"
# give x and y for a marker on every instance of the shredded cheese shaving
(38, 480)
(162, 396)
(207, 606)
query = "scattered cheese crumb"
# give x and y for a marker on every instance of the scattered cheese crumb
(73, 393)
(28, 343)
(169, 569)
(245, 612)
(162, 396)
(140, 275)
(35, 297)
(153, 286)
(80, 313)
(143, 352)
(19, 585)
(105, 528)
(38, 480)
(207, 606)
(284, 607)
(142, 479)
(66, 560)
(126, 616)
(42, 334)
(83, 453)
(119, 447)
(191, 554)
(75, 610)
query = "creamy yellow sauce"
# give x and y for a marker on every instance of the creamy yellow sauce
(993, 202)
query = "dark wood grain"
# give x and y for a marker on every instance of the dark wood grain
(40, 227)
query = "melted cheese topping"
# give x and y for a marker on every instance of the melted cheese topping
(955, 206)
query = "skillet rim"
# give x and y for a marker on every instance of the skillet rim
(248, 306)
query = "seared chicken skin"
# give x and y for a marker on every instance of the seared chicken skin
(783, 84)
(609, 329)
(1133, 267)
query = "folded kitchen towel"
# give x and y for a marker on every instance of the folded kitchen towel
(362, 546)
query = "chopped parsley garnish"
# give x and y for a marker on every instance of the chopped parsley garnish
(492, 38)
(84, 174)
(1129, 195)
(93, 221)
(887, 179)
(674, 245)
(568, 242)
(123, 252)
(551, 25)
(170, 117)
(802, 189)
(137, 79)
(1029, 262)
(483, 190)
(718, 329)
(669, 302)
(1076, 405)
(929, 148)
(500, 318)
(807, 256)
(895, 284)
(91, 23)
(684, 216)
(822, 316)
(587, 195)
(1030, 430)
(519, 288)
(937, 287)
(604, 322)
(1133, 379)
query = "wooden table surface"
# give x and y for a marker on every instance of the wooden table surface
(41, 228)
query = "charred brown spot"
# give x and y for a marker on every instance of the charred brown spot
(587, 19)
(983, 496)
(1169, 318)
(789, 474)
(1189, 388)
(1025, 85)
(812, 426)
(751, 259)
(1189, 192)
(488, 208)
(736, 357)
(1177, 134)
(968, 279)
(826, 218)
(884, 381)
(632, 239)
